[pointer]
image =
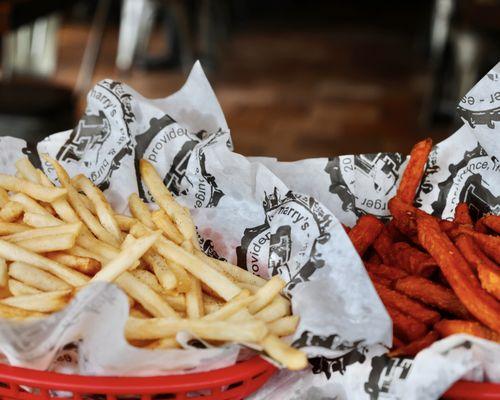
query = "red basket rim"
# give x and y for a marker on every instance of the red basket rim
(124, 384)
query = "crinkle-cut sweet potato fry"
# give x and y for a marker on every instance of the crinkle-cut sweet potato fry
(403, 303)
(447, 327)
(432, 294)
(385, 271)
(365, 232)
(492, 222)
(414, 171)
(459, 274)
(411, 349)
(405, 326)
(462, 215)
(412, 260)
(374, 259)
(488, 243)
(487, 271)
(383, 244)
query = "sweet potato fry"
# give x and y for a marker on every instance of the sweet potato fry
(462, 215)
(432, 294)
(489, 244)
(365, 232)
(385, 271)
(492, 222)
(411, 349)
(382, 245)
(404, 216)
(480, 227)
(405, 326)
(447, 327)
(412, 260)
(488, 272)
(396, 342)
(392, 298)
(414, 171)
(447, 226)
(374, 259)
(379, 279)
(459, 274)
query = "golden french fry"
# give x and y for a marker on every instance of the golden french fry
(41, 220)
(36, 277)
(103, 210)
(163, 222)
(286, 355)
(181, 277)
(27, 170)
(266, 294)
(29, 205)
(149, 279)
(61, 206)
(4, 273)
(84, 253)
(126, 259)
(165, 343)
(166, 201)
(86, 265)
(177, 301)
(48, 243)
(17, 288)
(13, 252)
(145, 296)
(7, 311)
(252, 288)
(75, 199)
(69, 229)
(8, 228)
(41, 302)
(125, 222)
(158, 328)
(138, 312)
(233, 271)
(284, 326)
(278, 308)
(140, 210)
(241, 315)
(97, 246)
(194, 300)
(11, 211)
(173, 253)
(164, 274)
(4, 197)
(33, 190)
(230, 308)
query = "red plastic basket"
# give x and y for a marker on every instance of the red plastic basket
(231, 383)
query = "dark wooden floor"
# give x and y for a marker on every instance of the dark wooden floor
(294, 94)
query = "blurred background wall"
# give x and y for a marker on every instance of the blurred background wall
(295, 78)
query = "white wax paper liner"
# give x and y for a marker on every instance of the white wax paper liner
(266, 216)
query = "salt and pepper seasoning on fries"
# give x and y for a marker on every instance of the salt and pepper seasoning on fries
(54, 240)
(435, 277)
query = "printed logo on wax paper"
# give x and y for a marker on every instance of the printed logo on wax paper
(207, 246)
(470, 181)
(481, 108)
(355, 352)
(270, 245)
(168, 145)
(92, 143)
(374, 175)
(384, 373)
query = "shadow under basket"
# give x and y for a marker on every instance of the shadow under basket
(232, 383)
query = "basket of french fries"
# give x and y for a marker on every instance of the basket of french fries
(140, 257)
(57, 240)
